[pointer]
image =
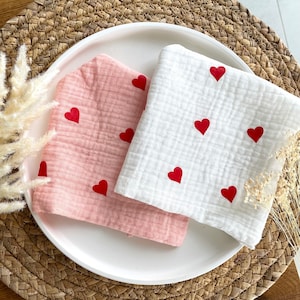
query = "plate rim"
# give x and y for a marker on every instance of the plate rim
(73, 49)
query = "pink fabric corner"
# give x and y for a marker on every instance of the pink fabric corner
(99, 108)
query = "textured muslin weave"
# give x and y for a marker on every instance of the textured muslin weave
(206, 131)
(99, 107)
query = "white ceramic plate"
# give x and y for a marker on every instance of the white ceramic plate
(107, 252)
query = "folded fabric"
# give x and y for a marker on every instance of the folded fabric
(99, 107)
(206, 131)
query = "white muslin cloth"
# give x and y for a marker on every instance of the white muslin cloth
(208, 129)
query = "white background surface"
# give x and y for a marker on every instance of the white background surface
(283, 16)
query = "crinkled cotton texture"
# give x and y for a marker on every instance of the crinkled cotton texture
(99, 107)
(207, 129)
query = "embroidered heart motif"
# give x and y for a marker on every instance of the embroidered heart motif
(140, 82)
(73, 115)
(101, 187)
(176, 174)
(127, 135)
(255, 133)
(43, 169)
(217, 72)
(229, 193)
(202, 126)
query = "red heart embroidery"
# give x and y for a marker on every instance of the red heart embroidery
(202, 126)
(43, 169)
(127, 135)
(176, 174)
(140, 82)
(217, 72)
(255, 133)
(229, 193)
(101, 187)
(73, 115)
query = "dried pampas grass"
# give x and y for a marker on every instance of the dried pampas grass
(21, 102)
(285, 204)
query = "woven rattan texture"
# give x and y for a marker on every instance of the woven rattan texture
(29, 263)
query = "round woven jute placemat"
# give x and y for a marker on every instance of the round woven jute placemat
(29, 263)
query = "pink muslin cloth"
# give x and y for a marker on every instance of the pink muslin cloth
(100, 105)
